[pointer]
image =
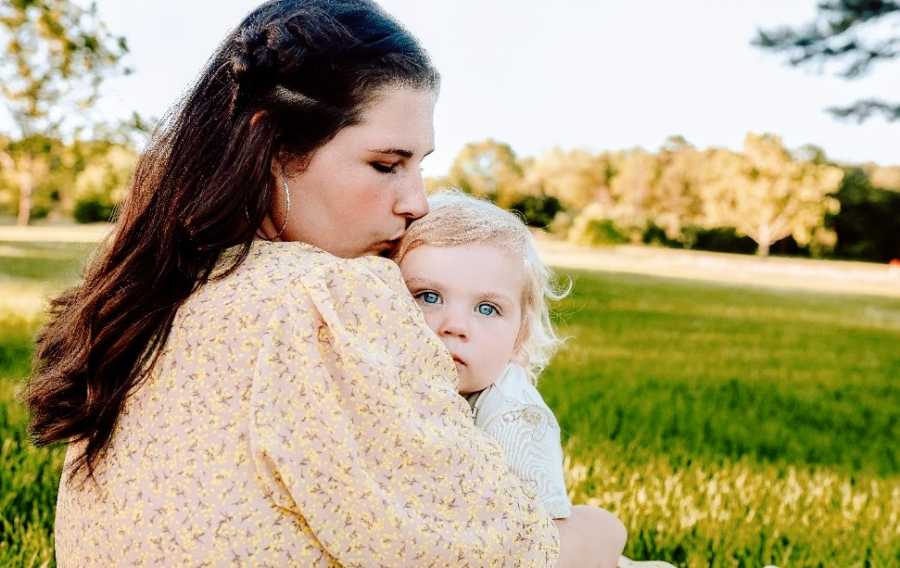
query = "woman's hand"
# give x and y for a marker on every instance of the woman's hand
(591, 537)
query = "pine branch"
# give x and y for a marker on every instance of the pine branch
(862, 110)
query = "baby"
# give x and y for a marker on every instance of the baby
(474, 270)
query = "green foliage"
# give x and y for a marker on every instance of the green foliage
(29, 475)
(84, 179)
(537, 210)
(717, 239)
(685, 197)
(576, 178)
(93, 209)
(55, 264)
(680, 196)
(487, 169)
(103, 184)
(596, 232)
(768, 195)
(743, 513)
(868, 224)
(55, 56)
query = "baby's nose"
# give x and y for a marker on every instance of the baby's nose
(454, 325)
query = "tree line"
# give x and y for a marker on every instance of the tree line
(45, 177)
(61, 162)
(762, 198)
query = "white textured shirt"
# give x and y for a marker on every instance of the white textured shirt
(513, 412)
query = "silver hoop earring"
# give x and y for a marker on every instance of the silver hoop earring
(287, 208)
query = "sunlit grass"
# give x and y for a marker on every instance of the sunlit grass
(29, 274)
(28, 476)
(744, 513)
(690, 371)
(726, 425)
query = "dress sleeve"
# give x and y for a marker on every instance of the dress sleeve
(358, 433)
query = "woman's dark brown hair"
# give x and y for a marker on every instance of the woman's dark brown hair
(281, 85)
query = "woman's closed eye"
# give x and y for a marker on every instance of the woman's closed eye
(385, 168)
(428, 297)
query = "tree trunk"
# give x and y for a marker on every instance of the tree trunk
(26, 186)
(764, 240)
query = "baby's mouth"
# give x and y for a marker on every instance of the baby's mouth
(458, 360)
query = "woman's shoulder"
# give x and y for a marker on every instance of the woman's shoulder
(292, 259)
(286, 269)
(297, 284)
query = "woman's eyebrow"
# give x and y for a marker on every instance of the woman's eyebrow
(399, 152)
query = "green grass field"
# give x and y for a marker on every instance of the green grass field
(726, 426)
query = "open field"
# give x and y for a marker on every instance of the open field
(846, 277)
(728, 425)
(733, 426)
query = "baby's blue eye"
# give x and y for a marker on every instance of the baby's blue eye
(486, 309)
(429, 297)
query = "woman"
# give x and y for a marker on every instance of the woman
(240, 378)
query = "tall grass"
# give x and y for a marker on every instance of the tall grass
(731, 426)
(699, 371)
(29, 476)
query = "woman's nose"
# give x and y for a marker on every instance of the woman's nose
(412, 202)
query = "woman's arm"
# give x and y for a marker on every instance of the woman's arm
(591, 538)
(358, 433)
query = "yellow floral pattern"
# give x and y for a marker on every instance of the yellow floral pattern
(301, 413)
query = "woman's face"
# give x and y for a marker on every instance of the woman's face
(361, 190)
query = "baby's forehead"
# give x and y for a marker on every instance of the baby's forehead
(476, 267)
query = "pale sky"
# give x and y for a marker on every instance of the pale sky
(594, 74)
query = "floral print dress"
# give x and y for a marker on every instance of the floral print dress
(301, 413)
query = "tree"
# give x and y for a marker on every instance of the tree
(56, 54)
(868, 224)
(576, 178)
(102, 185)
(675, 200)
(631, 189)
(767, 195)
(856, 34)
(488, 169)
(42, 165)
(885, 177)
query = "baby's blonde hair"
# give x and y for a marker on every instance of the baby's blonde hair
(455, 219)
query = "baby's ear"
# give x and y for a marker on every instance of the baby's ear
(520, 357)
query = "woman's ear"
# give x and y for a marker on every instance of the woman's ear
(277, 168)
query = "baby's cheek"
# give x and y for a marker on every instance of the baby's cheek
(432, 320)
(484, 374)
